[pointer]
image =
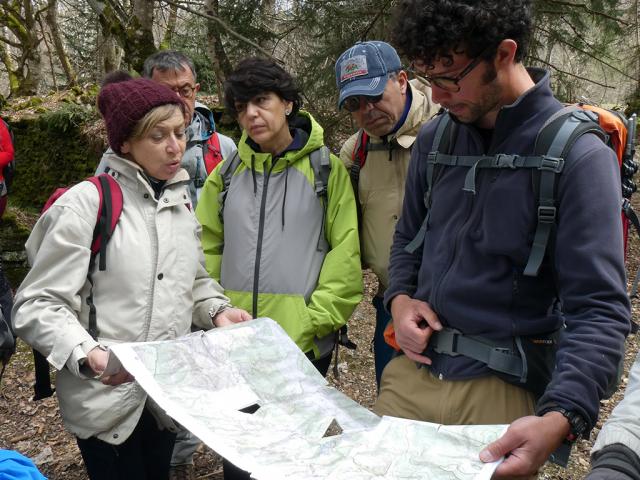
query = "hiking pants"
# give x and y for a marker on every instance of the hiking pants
(186, 445)
(415, 393)
(144, 455)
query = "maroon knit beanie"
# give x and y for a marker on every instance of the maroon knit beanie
(124, 103)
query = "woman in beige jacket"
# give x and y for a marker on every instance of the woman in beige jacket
(155, 286)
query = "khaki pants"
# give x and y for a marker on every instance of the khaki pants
(409, 392)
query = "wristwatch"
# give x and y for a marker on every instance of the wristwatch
(577, 423)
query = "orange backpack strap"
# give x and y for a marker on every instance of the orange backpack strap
(390, 337)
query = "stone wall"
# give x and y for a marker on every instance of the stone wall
(13, 235)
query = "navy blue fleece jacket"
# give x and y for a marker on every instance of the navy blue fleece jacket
(470, 266)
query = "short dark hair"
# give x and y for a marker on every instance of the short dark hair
(432, 29)
(167, 60)
(256, 75)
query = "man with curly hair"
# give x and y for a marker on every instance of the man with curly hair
(499, 344)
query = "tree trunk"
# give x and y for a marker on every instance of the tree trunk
(108, 53)
(140, 35)
(215, 49)
(134, 34)
(167, 40)
(14, 80)
(52, 22)
(20, 19)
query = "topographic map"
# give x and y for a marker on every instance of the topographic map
(303, 428)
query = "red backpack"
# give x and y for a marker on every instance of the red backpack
(109, 212)
(212, 154)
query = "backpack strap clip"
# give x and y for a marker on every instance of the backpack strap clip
(551, 164)
(546, 214)
(503, 160)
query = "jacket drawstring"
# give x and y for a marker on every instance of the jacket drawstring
(284, 197)
(321, 234)
(253, 175)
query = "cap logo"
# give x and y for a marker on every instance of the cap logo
(353, 67)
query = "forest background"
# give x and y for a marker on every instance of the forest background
(53, 54)
(592, 47)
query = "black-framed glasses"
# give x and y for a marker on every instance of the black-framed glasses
(352, 104)
(185, 91)
(449, 84)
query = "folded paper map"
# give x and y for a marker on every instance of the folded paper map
(304, 428)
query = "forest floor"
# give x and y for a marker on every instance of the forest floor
(35, 428)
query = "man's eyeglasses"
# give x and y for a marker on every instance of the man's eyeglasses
(449, 84)
(352, 104)
(185, 91)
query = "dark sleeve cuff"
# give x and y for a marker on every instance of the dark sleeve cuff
(617, 458)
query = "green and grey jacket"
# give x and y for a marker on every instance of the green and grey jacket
(276, 249)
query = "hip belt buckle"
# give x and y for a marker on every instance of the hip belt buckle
(446, 341)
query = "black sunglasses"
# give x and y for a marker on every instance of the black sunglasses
(352, 104)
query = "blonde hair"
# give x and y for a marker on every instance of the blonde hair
(153, 118)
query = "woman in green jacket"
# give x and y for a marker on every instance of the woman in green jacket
(279, 247)
(279, 222)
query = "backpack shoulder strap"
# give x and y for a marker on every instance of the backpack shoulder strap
(108, 215)
(321, 165)
(553, 143)
(443, 140)
(228, 168)
(358, 159)
(359, 154)
(213, 153)
(109, 212)
(320, 160)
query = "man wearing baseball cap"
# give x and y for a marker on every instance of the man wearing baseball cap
(389, 110)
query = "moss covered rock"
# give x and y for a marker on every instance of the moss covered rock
(51, 151)
(63, 145)
(13, 235)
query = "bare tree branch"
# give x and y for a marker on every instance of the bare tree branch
(13, 12)
(120, 12)
(366, 31)
(98, 6)
(49, 54)
(224, 25)
(584, 7)
(551, 65)
(4, 39)
(575, 31)
(584, 52)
